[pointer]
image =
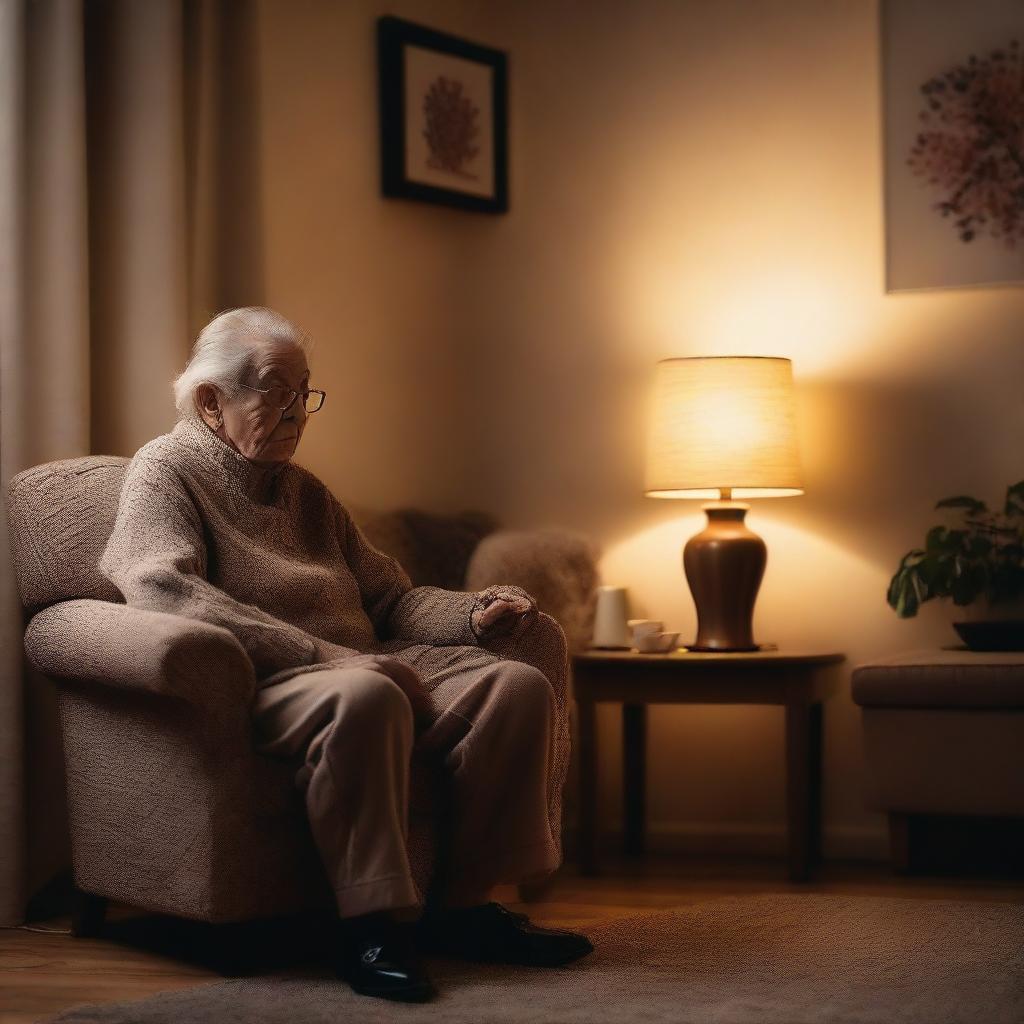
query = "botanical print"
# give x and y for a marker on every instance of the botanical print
(953, 105)
(451, 126)
(971, 145)
(449, 130)
(443, 117)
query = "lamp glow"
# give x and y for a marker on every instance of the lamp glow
(723, 427)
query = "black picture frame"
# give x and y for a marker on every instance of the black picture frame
(404, 172)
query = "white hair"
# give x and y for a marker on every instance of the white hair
(224, 352)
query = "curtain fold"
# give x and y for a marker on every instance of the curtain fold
(129, 216)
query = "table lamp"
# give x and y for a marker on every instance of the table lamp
(723, 427)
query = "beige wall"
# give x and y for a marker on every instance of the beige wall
(376, 283)
(686, 178)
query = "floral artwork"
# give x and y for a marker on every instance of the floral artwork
(953, 104)
(451, 126)
(443, 114)
(970, 149)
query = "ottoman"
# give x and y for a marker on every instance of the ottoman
(943, 734)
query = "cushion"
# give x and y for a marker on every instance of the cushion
(434, 549)
(556, 566)
(60, 516)
(942, 678)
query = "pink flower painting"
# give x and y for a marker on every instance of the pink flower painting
(970, 146)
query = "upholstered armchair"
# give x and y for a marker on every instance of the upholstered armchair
(170, 807)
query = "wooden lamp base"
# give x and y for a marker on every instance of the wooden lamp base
(724, 565)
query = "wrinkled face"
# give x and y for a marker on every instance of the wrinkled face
(247, 420)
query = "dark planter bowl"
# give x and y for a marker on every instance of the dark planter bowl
(995, 635)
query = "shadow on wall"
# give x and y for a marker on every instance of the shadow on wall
(878, 457)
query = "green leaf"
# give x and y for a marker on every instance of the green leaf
(955, 540)
(942, 541)
(969, 584)
(963, 501)
(910, 559)
(984, 556)
(1015, 499)
(906, 599)
(892, 594)
(978, 546)
(896, 587)
(902, 594)
(935, 573)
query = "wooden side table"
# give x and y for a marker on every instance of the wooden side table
(799, 682)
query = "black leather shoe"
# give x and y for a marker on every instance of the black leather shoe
(492, 933)
(381, 960)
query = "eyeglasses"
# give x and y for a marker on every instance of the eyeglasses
(283, 398)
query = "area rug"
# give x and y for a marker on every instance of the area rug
(764, 959)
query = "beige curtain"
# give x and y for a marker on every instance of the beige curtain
(129, 215)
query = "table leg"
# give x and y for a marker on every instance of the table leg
(634, 751)
(803, 787)
(814, 768)
(588, 787)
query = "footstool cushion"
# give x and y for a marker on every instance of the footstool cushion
(943, 732)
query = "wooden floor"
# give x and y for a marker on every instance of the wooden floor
(44, 972)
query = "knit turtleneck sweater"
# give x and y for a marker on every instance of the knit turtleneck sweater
(274, 557)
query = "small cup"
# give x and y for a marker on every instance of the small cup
(657, 643)
(644, 627)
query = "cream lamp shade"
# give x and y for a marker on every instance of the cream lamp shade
(723, 426)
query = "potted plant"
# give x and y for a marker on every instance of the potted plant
(978, 561)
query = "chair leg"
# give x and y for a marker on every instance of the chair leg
(88, 912)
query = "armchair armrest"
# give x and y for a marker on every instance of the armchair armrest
(557, 567)
(543, 645)
(121, 646)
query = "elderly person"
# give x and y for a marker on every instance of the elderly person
(365, 681)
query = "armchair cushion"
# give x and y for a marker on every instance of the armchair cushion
(557, 567)
(431, 547)
(61, 515)
(116, 645)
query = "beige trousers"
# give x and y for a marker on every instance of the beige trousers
(478, 774)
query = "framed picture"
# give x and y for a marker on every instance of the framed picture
(953, 88)
(443, 122)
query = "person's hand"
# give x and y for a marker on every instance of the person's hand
(502, 611)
